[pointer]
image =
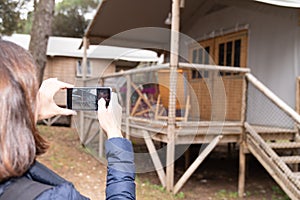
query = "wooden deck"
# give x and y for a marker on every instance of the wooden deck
(203, 131)
(261, 141)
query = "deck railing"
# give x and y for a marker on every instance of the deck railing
(217, 93)
(215, 80)
(210, 101)
(273, 135)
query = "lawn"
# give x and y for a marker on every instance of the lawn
(216, 179)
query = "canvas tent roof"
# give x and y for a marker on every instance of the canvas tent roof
(285, 3)
(64, 46)
(116, 16)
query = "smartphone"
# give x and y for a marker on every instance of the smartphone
(86, 98)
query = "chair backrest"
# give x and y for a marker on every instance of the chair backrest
(163, 77)
(182, 94)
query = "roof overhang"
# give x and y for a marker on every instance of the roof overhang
(118, 16)
(122, 22)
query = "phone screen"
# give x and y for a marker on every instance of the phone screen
(86, 98)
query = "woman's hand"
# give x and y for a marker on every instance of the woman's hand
(110, 118)
(46, 107)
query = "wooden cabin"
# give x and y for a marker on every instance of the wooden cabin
(64, 61)
(214, 52)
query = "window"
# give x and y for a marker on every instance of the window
(237, 53)
(225, 50)
(231, 50)
(201, 56)
(79, 72)
(230, 53)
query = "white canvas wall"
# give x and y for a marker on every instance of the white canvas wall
(273, 48)
(272, 41)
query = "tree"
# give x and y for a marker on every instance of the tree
(26, 24)
(40, 32)
(69, 19)
(10, 15)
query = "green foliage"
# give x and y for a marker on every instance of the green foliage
(70, 24)
(26, 24)
(224, 194)
(82, 6)
(279, 194)
(180, 195)
(69, 20)
(10, 20)
(160, 190)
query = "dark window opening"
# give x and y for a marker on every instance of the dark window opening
(194, 56)
(206, 55)
(229, 54)
(200, 58)
(221, 54)
(237, 53)
(196, 74)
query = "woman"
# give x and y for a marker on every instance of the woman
(22, 103)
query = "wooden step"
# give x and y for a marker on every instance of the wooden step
(284, 145)
(278, 136)
(290, 159)
(275, 133)
(296, 174)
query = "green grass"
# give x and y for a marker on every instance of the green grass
(157, 191)
(279, 194)
(224, 194)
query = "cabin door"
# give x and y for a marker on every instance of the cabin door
(226, 50)
(231, 50)
(201, 99)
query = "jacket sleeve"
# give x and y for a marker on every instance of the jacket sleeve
(121, 170)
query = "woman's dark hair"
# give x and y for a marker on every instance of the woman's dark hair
(20, 141)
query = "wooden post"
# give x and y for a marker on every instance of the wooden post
(155, 158)
(128, 105)
(202, 155)
(242, 167)
(297, 137)
(84, 59)
(297, 94)
(242, 150)
(101, 133)
(172, 94)
(84, 67)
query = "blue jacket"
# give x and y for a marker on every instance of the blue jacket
(120, 176)
(120, 170)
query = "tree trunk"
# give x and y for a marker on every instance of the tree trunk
(40, 32)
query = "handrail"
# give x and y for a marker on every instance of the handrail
(272, 163)
(274, 98)
(148, 121)
(271, 153)
(208, 123)
(213, 67)
(180, 65)
(138, 70)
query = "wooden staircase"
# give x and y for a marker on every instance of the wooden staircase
(280, 158)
